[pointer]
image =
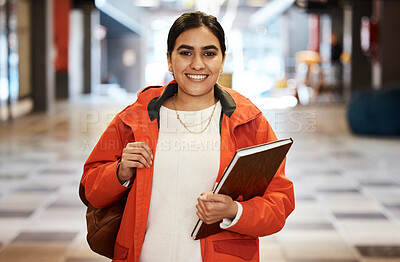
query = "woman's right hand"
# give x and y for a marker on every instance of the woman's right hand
(134, 155)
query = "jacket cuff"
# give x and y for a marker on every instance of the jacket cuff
(112, 180)
(229, 222)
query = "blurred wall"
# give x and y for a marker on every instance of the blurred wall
(126, 62)
(24, 51)
(296, 23)
(361, 70)
(297, 26)
(389, 42)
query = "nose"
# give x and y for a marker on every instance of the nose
(197, 62)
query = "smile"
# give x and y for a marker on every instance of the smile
(197, 77)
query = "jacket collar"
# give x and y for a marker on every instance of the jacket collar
(227, 102)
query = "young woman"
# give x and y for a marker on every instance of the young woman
(171, 146)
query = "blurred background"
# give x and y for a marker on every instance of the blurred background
(325, 72)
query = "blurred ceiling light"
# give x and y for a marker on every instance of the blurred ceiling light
(99, 32)
(365, 34)
(262, 30)
(129, 57)
(188, 4)
(146, 3)
(256, 3)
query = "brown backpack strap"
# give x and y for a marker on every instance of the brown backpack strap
(82, 194)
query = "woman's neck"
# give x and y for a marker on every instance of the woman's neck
(184, 102)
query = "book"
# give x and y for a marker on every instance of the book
(248, 175)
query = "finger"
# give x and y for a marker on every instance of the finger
(137, 158)
(206, 209)
(206, 193)
(141, 145)
(200, 216)
(200, 213)
(139, 151)
(125, 163)
(199, 209)
(215, 198)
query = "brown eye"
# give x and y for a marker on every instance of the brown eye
(210, 54)
(185, 53)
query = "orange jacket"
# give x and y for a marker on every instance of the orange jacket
(242, 125)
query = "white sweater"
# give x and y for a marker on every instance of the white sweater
(185, 165)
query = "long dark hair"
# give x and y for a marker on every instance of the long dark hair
(194, 20)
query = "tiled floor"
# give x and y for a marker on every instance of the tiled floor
(347, 187)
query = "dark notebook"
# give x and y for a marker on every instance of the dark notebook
(248, 175)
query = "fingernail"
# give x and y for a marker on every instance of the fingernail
(203, 197)
(151, 162)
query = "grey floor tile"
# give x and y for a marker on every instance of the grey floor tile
(38, 189)
(309, 226)
(58, 171)
(379, 184)
(338, 190)
(392, 205)
(305, 198)
(4, 175)
(348, 155)
(15, 213)
(66, 205)
(380, 251)
(40, 237)
(358, 216)
(323, 172)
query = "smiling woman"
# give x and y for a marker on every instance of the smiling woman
(196, 62)
(167, 170)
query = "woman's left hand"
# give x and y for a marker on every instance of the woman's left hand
(212, 208)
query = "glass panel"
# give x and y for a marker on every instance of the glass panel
(4, 89)
(13, 57)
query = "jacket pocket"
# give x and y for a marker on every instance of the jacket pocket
(120, 252)
(241, 248)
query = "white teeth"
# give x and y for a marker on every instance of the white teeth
(197, 77)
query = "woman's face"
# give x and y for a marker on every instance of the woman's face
(196, 61)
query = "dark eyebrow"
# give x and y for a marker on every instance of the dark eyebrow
(192, 48)
(210, 47)
(185, 47)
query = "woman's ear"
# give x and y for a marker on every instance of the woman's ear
(222, 65)
(169, 62)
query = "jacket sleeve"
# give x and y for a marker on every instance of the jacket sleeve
(267, 215)
(102, 187)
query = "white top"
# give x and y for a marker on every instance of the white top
(185, 165)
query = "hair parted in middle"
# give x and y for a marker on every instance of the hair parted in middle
(194, 20)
